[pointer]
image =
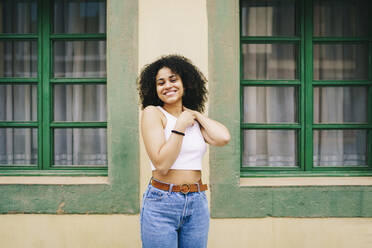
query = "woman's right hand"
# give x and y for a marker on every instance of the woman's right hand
(185, 120)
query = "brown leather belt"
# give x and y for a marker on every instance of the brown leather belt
(183, 188)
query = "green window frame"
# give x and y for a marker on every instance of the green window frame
(45, 82)
(120, 195)
(305, 84)
(229, 197)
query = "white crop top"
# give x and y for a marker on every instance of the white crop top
(193, 145)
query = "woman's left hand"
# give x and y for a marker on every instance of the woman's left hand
(194, 113)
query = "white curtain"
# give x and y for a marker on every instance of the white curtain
(341, 17)
(267, 18)
(80, 59)
(270, 148)
(279, 104)
(80, 103)
(340, 105)
(340, 62)
(73, 103)
(269, 104)
(18, 146)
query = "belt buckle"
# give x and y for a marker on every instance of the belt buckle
(188, 187)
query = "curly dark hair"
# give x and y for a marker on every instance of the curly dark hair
(195, 92)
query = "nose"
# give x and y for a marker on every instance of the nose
(168, 84)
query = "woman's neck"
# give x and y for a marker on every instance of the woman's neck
(173, 109)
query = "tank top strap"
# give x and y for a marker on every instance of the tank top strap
(166, 113)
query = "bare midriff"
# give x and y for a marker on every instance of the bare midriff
(178, 176)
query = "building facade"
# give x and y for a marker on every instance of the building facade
(291, 79)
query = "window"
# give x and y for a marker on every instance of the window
(53, 85)
(306, 87)
(301, 197)
(118, 192)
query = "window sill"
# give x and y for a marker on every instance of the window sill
(53, 180)
(54, 173)
(305, 181)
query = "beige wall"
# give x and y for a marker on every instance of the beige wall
(172, 27)
(179, 26)
(111, 231)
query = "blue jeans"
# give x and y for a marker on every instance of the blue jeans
(174, 219)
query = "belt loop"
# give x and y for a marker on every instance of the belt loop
(198, 187)
(150, 181)
(170, 188)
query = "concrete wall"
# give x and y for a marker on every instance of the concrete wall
(179, 26)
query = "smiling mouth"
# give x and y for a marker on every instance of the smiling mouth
(168, 93)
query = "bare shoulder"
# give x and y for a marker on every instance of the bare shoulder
(152, 114)
(150, 109)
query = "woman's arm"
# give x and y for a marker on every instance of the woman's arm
(213, 132)
(163, 153)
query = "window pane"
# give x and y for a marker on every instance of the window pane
(18, 59)
(18, 16)
(80, 146)
(18, 102)
(270, 148)
(79, 16)
(270, 104)
(18, 146)
(340, 147)
(80, 102)
(340, 104)
(340, 62)
(79, 59)
(341, 18)
(270, 61)
(268, 18)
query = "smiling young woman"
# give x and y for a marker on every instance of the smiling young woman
(175, 209)
(169, 87)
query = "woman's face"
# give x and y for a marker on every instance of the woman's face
(169, 86)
